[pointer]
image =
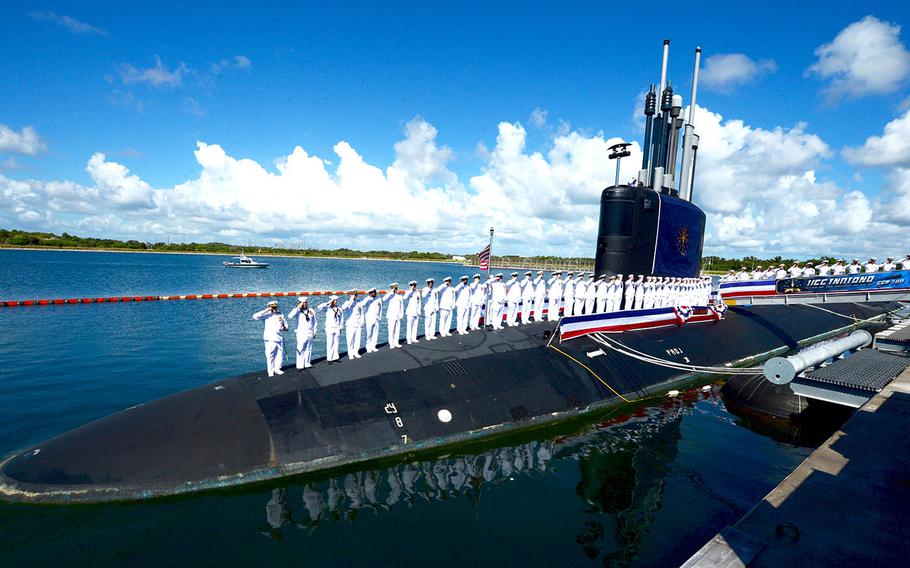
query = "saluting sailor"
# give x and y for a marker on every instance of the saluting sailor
(334, 317)
(555, 296)
(591, 295)
(478, 297)
(905, 264)
(889, 265)
(412, 311)
(394, 313)
(854, 267)
(629, 293)
(872, 265)
(604, 291)
(446, 306)
(372, 308)
(540, 295)
(568, 294)
(581, 291)
(353, 317)
(497, 301)
(513, 298)
(463, 304)
(306, 332)
(271, 335)
(430, 297)
(527, 297)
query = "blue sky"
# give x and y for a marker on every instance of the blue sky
(143, 83)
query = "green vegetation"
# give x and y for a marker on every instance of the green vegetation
(720, 265)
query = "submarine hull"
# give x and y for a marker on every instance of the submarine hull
(253, 428)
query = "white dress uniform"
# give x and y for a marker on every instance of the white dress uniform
(540, 296)
(274, 342)
(412, 311)
(478, 297)
(638, 296)
(824, 269)
(372, 315)
(604, 295)
(568, 294)
(854, 268)
(629, 294)
(781, 273)
(513, 299)
(555, 297)
(446, 307)
(591, 295)
(871, 267)
(394, 312)
(353, 319)
(463, 305)
(430, 297)
(837, 269)
(334, 319)
(497, 301)
(581, 292)
(889, 266)
(527, 298)
(306, 334)
(808, 271)
(905, 264)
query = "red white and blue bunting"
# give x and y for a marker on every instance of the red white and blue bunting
(618, 322)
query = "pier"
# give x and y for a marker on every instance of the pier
(847, 504)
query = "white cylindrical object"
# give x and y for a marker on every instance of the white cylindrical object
(782, 370)
(694, 87)
(663, 69)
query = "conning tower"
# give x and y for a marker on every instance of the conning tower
(651, 226)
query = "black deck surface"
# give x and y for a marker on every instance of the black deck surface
(253, 427)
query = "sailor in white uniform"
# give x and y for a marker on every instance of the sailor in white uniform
(527, 298)
(568, 294)
(638, 296)
(306, 332)
(478, 297)
(334, 317)
(513, 299)
(581, 292)
(540, 295)
(275, 324)
(781, 272)
(837, 268)
(905, 264)
(603, 293)
(497, 301)
(463, 304)
(412, 311)
(823, 268)
(854, 267)
(555, 296)
(629, 293)
(353, 319)
(372, 315)
(889, 265)
(872, 265)
(394, 312)
(446, 306)
(430, 297)
(591, 295)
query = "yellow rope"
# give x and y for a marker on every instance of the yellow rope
(593, 373)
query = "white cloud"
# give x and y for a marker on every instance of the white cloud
(157, 76)
(236, 62)
(26, 141)
(892, 148)
(866, 57)
(538, 117)
(71, 24)
(725, 71)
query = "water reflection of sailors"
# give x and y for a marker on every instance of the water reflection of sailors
(497, 301)
(513, 299)
(277, 511)
(478, 297)
(412, 311)
(372, 314)
(334, 317)
(306, 332)
(527, 297)
(394, 313)
(463, 305)
(446, 306)
(274, 325)
(313, 503)
(430, 297)
(540, 295)
(353, 318)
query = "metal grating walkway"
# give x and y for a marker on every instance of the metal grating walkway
(867, 370)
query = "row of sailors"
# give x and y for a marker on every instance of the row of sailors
(837, 268)
(574, 295)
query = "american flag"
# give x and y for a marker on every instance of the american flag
(483, 258)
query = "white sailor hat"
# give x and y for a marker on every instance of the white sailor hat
(570, 273)
(272, 303)
(602, 277)
(333, 297)
(528, 273)
(412, 283)
(873, 259)
(890, 258)
(499, 275)
(514, 274)
(430, 280)
(539, 272)
(447, 279)
(393, 285)
(476, 276)
(591, 276)
(371, 290)
(463, 278)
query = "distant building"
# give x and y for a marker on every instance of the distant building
(460, 258)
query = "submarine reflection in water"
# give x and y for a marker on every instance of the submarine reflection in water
(621, 464)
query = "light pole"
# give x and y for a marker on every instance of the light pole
(619, 151)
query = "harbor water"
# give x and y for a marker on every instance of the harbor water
(646, 486)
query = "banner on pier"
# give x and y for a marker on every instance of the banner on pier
(740, 288)
(896, 280)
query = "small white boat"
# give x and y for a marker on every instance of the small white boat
(245, 262)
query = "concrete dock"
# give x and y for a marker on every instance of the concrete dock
(848, 504)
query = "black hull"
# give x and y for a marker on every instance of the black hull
(252, 428)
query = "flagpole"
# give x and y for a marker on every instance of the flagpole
(486, 319)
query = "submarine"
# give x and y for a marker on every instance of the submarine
(459, 389)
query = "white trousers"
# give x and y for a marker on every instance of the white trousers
(553, 310)
(475, 315)
(567, 303)
(445, 322)
(538, 308)
(464, 317)
(274, 354)
(496, 314)
(394, 329)
(511, 313)
(412, 329)
(526, 311)
(352, 335)
(607, 305)
(591, 305)
(429, 324)
(372, 335)
(579, 306)
(639, 301)
(304, 351)
(629, 300)
(332, 338)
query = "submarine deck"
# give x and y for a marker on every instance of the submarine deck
(254, 428)
(846, 504)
